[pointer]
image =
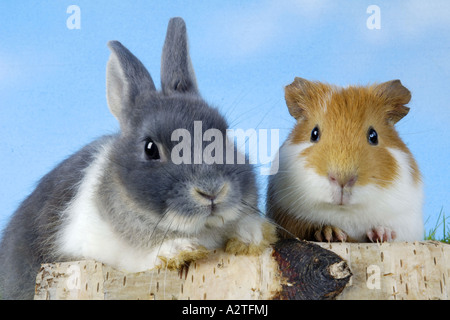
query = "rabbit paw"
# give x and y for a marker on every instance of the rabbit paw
(381, 234)
(181, 253)
(238, 246)
(330, 234)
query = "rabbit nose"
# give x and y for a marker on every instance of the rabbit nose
(212, 195)
(206, 195)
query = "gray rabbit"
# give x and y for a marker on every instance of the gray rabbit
(122, 200)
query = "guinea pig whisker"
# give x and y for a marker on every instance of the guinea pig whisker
(288, 191)
(296, 202)
(381, 180)
(283, 190)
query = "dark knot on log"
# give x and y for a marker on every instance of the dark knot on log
(310, 272)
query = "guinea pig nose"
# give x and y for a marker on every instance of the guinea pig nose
(343, 180)
(351, 181)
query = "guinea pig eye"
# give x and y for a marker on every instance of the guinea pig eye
(372, 136)
(151, 150)
(315, 134)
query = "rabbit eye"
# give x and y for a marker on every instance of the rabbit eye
(372, 136)
(315, 134)
(151, 150)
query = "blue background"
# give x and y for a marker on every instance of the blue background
(52, 78)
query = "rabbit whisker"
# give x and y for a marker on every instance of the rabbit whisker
(262, 215)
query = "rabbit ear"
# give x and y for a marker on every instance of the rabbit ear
(126, 78)
(177, 74)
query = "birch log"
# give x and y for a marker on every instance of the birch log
(290, 270)
(396, 271)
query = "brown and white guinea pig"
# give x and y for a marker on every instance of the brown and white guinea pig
(344, 173)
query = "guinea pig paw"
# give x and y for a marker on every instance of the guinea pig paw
(381, 234)
(330, 234)
(182, 258)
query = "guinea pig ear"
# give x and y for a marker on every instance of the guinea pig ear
(396, 96)
(177, 73)
(298, 95)
(126, 78)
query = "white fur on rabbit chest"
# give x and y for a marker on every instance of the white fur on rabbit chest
(307, 196)
(86, 235)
